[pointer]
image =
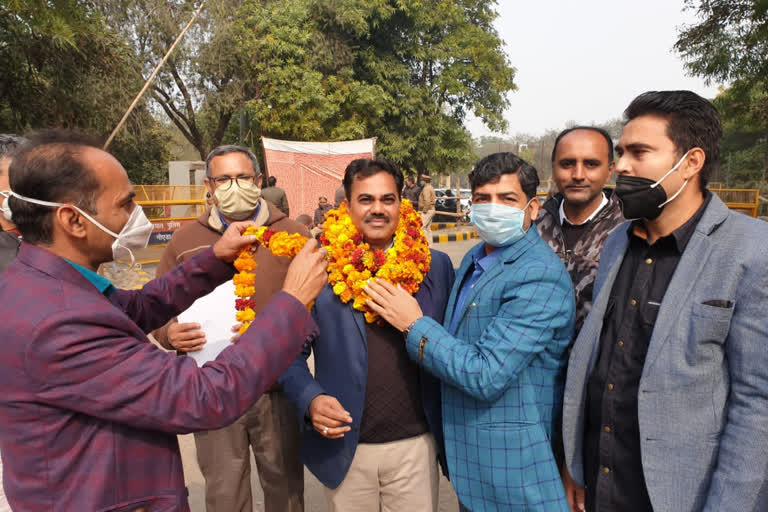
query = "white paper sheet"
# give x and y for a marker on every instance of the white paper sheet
(215, 313)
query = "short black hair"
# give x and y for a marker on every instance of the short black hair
(50, 167)
(230, 148)
(368, 167)
(272, 181)
(605, 134)
(692, 121)
(490, 169)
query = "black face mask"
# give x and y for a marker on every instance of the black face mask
(638, 199)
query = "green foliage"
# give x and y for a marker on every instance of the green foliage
(730, 44)
(201, 85)
(406, 72)
(744, 117)
(63, 68)
(435, 61)
(730, 41)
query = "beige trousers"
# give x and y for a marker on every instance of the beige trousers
(401, 476)
(426, 224)
(271, 429)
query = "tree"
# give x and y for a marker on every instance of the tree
(63, 68)
(200, 87)
(730, 44)
(436, 61)
(743, 109)
(404, 72)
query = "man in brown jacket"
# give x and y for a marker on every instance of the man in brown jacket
(269, 427)
(427, 200)
(276, 196)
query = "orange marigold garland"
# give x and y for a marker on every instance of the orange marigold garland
(352, 263)
(280, 244)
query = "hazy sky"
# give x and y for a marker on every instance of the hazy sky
(585, 60)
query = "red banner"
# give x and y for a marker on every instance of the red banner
(308, 170)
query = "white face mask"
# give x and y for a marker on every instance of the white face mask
(134, 235)
(5, 208)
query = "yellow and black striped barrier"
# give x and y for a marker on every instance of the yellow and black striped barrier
(443, 225)
(454, 237)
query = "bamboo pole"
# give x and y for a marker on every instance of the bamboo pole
(152, 77)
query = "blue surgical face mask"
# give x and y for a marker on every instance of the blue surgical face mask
(498, 225)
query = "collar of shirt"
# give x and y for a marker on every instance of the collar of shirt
(482, 262)
(564, 219)
(226, 224)
(682, 235)
(100, 282)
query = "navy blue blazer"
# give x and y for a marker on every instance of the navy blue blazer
(341, 369)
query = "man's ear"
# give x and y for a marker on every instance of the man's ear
(208, 186)
(71, 221)
(693, 163)
(534, 208)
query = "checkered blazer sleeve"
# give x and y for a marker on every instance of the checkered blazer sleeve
(524, 312)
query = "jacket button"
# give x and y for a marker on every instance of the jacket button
(610, 387)
(620, 343)
(606, 470)
(607, 429)
(633, 302)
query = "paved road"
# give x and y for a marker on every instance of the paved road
(315, 501)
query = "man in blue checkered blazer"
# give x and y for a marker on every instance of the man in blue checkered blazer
(500, 350)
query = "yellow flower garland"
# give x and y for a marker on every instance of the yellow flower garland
(352, 263)
(280, 244)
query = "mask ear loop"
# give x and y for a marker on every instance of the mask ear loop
(665, 177)
(525, 208)
(671, 170)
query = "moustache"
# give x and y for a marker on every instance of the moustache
(376, 216)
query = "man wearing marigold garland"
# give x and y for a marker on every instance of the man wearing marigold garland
(501, 349)
(370, 416)
(269, 428)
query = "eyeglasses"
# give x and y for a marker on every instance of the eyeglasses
(225, 182)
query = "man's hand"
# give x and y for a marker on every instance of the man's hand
(329, 417)
(306, 275)
(393, 304)
(573, 492)
(186, 337)
(236, 330)
(232, 241)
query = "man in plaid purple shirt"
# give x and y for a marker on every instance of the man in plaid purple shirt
(91, 408)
